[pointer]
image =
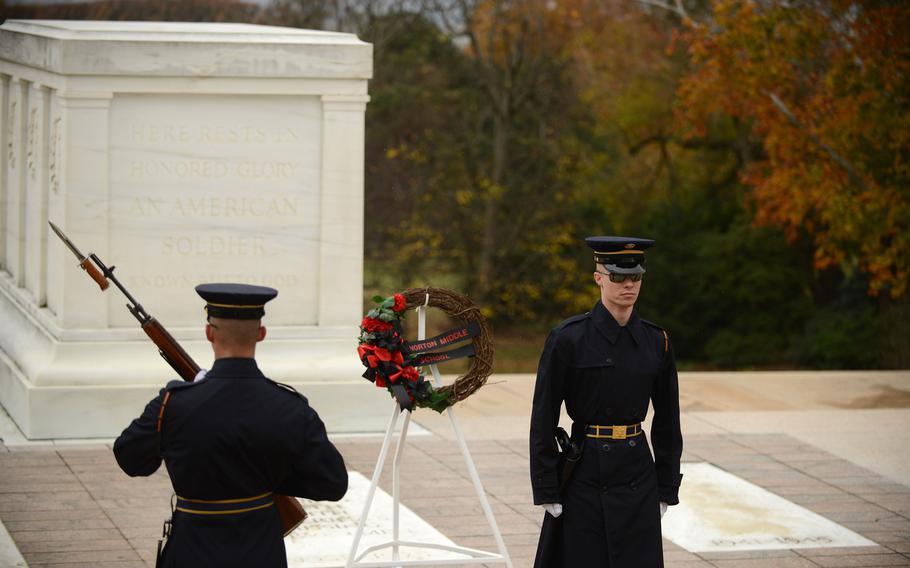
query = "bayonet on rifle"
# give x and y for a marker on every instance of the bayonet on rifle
(83, 261)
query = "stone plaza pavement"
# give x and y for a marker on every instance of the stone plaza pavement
(833, 442)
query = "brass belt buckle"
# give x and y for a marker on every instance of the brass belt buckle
(619, 432)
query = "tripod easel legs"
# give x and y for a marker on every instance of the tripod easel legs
(474, 556)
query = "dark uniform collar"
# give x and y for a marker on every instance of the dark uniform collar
(607, 325)
(235, 367)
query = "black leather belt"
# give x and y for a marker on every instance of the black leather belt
(620, 432)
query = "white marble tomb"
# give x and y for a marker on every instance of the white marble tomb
(180, 153)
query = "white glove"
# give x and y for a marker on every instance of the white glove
(663, 509)
(555, 509)
(200, 376)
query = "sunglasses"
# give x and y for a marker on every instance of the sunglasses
(619, 278)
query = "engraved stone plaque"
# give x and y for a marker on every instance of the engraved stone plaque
(720, 512)
(215, 189)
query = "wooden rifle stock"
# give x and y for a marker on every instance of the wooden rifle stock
(290, 512)
(170, 350)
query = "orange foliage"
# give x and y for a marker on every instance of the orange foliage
(826, 88)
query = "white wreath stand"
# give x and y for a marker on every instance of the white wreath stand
(473, 556)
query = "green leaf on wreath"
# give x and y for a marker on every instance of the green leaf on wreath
(387, 317)
(377, 298)
(374, 313)
(437, 401)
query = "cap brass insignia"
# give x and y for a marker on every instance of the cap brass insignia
(630, 245)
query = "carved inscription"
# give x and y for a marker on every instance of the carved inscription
(152, 166)
(185, 281)
(783, 541)
(11, 134)
(217, 189)
(32, 154)
(214, 245)
(52, 157)
(211, 169)
(151, 133)
(208, 206)
(147, 134)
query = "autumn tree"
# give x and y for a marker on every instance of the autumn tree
(514, 51)
(824, 86)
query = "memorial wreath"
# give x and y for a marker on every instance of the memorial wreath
(393, 363)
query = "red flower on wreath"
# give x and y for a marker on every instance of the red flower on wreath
(373, 325)
(400, 303)
(411, 374)
(407, 373)
(376, 354)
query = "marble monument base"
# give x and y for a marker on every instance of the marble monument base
(90, 383)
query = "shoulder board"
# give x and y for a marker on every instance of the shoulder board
(285, 387)
(663, 333)
(652, 324)
(573, 319)
(178, 385)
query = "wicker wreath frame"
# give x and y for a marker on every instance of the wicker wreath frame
(459, 307)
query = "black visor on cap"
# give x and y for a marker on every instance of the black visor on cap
(235, 301)
(624, 267)
(622, 255)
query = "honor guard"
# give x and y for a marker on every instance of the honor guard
(604, 509)
(231, 440)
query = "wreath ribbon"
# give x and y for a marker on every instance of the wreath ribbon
(454, 335)
(443, 356)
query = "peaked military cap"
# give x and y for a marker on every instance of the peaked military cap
(622, 255)
(235, 301)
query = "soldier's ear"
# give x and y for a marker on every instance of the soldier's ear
(210, 332)
(262, 333)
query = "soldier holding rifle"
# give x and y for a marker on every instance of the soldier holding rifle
(236, 444)
(230, 441)
(606, 365)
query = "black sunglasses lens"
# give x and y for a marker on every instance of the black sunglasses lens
(618, 278)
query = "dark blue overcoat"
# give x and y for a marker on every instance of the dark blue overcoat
(234, 435)
(606, 374)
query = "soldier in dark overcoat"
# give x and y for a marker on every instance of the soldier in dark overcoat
(606, 365)
(230, 440)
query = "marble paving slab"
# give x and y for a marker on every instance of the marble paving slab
(325, 538)
(720, 512)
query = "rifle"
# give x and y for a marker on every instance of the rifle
(290, 511)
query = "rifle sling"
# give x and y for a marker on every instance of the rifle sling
(167, 397)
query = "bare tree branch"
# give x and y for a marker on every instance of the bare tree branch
(677, 8)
